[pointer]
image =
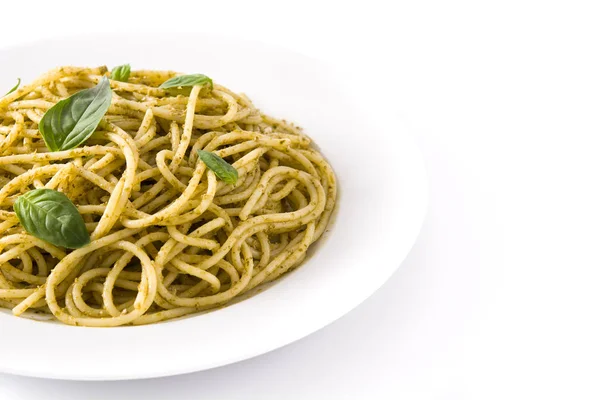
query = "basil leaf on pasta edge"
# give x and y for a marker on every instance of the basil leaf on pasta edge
(50, 215)
(224, 171)
(14, 87)
(71, 121)
(183, 84)
(121, 73)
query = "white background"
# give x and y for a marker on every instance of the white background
(500, 296)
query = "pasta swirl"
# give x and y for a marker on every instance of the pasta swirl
(168, 237)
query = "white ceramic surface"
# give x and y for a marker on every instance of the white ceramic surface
(382, 203)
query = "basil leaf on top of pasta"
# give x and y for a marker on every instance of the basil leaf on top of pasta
(121, 73)
(183, 84)
(220, 167)
(14, 87)
(50, 215)
(71, 121)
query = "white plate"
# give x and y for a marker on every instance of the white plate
(381, 207)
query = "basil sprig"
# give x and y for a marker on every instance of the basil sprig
(183, 84)
(14, 87)
(50, 215)
(220, 167)
(71, 121)
(121, 73)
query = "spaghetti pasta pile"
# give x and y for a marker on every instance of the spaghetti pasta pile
(167, 237)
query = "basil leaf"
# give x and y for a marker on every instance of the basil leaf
(220, 167)
(71, 121)
(183, 84)
(14, 88)
(121, 73)
(51, 216)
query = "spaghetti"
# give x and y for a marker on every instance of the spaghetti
(168, 238)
